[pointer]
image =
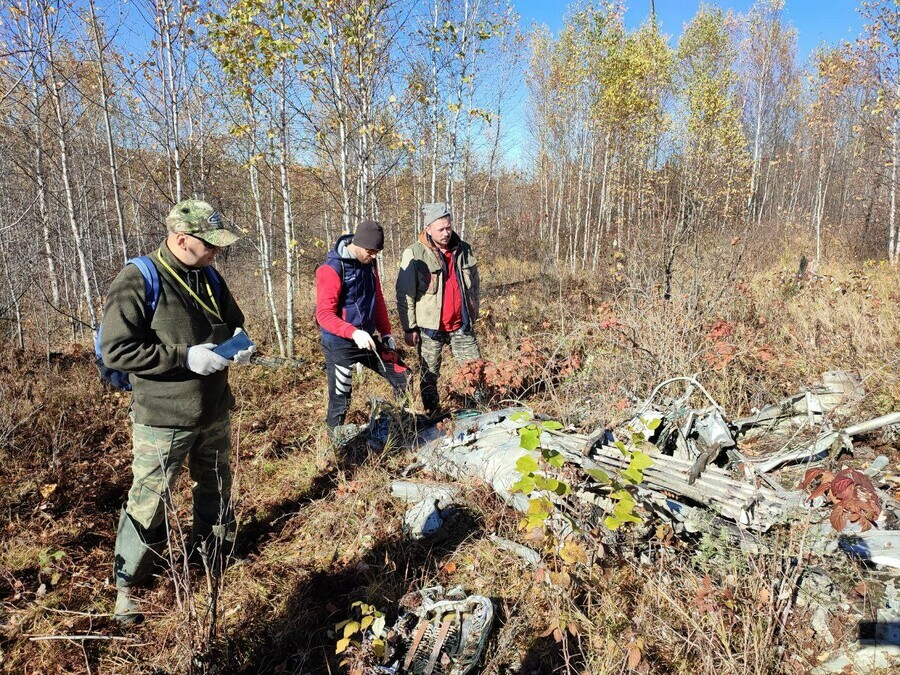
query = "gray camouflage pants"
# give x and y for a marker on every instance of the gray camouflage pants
(159, 453)
(463, 345)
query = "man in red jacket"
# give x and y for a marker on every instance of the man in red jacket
(349, 309)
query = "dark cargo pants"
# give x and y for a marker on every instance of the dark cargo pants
(463, 345)
(340, 357)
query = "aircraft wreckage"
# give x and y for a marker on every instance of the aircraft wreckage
(700, 472)
(700, 476)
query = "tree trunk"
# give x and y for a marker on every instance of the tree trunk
(65, 173)
(110, 145)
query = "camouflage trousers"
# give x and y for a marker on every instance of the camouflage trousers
(463, 345)
(159, 453)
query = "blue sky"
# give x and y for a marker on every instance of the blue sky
(816, 21)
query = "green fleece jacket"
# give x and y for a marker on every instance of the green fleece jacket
(165, 393)
(420, 283)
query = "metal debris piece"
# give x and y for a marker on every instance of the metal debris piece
(431, 506)
(862, 659)
(838, 392)
(529, 555)
(686, 484)
(487, 448)
(825, 443)
(444, 635)
(881, 547)
(876, 466)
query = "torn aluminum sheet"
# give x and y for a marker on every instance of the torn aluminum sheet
(820, 449)
(838, 392)
(881, 547)
(487, 448)
(862, 659)
(431, 506)
(696, 434)
(529, 555)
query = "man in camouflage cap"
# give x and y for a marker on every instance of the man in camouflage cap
(198, 218)
(181, 401)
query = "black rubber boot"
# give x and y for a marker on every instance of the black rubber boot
(138, 553)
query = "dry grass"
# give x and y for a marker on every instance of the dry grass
(320, 530)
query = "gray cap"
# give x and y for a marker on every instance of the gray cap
(433, 212)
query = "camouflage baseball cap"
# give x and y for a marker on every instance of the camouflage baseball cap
(199, 219)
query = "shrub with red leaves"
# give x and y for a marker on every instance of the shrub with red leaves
(851, 492)
(532, 368)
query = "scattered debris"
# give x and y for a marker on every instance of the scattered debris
(440, 634)
(700, 473)
(863, 659)
(685, 484)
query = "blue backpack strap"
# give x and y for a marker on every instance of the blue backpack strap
(151, 281)
(215, 281)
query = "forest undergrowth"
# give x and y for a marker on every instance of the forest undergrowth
(319, 529)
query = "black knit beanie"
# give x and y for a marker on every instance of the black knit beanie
(369, 235)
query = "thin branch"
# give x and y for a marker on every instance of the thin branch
(38, 638)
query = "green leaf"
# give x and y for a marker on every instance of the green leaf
(544, 483)
(640, 461)
(540, 505)
(621, 446)
(633, 475)
(556, 459)
(530, 437)
(343, 623)
(612, 523)
(521, 416)
(527, 465)
(351, 629)
(653, 424)
(342, 644)
(379, 646)
(365, 623)
(552, 425)
(562, 488)
(598, 475)
(534, 520)
(525, 485)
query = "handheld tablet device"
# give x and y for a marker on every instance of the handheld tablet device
(233, 345)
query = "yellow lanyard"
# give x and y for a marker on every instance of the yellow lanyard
(215, 312)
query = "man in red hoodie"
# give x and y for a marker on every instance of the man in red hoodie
(349, 309)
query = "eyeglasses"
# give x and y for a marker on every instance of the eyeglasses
(206, 244)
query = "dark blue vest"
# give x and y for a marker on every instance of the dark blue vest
(356, 302)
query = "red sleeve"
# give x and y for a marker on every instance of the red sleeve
(328, 288)
(382, 322)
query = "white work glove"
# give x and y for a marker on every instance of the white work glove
(242, 357)
(202, 360)
(388, 341)
(363, 340)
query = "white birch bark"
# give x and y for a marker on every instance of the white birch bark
(110, 144)
(56, 96)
